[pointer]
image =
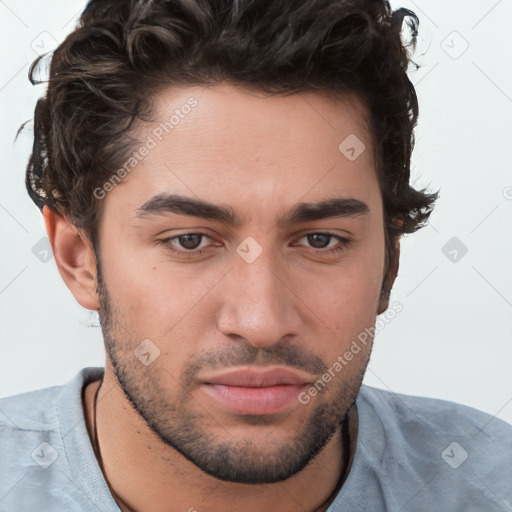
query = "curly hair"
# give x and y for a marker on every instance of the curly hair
(103, 77)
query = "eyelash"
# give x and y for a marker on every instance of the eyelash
(343, 243)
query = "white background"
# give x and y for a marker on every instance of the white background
(453, 338)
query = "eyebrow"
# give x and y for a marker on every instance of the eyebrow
(163, 204)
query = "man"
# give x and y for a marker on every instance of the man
(226, 183)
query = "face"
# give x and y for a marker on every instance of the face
(241, 255)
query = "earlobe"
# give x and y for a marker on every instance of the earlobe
(74, 257)
(389, 280)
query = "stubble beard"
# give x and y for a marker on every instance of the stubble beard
(178, 426)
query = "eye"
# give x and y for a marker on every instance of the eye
(321, 242)
(186, 244)
(191, 244)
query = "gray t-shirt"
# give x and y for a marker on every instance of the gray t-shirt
(412, 455)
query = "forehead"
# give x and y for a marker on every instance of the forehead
(259, 121)
(245, 148)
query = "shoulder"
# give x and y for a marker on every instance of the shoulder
(33, 410)
(416, 449)
(41, 410)
(38, 431)
(441, 417)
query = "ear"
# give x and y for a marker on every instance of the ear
(389, 279)
(74, 257)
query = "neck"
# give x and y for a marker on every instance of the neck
(140, 469)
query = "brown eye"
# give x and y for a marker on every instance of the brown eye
(319, 240)
(322, 242)
(190, 241)
(187, 244)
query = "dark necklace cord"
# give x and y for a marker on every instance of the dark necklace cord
(97, 451)
(345, 438)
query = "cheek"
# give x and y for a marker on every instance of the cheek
(347, 305)
(157, 300)
(345, 301)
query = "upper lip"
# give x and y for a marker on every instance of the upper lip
(252, 378)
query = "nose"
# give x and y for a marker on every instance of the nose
(258, 304)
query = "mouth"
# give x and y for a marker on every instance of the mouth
(248, 391)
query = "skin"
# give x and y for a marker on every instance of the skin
(261, 156)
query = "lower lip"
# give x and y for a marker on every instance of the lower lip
(256, 401)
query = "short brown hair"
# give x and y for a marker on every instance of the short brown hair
(103, 76)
